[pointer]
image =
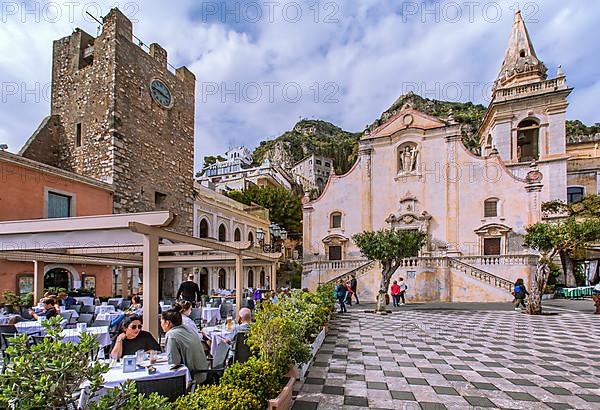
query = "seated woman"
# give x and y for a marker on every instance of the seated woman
(185, 308)
(133, 339)
(183, 346)
(49, 309)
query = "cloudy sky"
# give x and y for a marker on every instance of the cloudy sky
(263, 65)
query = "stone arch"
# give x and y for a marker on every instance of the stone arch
(203, 228)
(75, 278)
(528, 140)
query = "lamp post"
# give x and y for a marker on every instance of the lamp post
(317, 256)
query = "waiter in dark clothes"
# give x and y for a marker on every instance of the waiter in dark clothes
(189, 290)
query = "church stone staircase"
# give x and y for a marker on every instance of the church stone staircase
(358, 272)
(480, 274)
(454, 263)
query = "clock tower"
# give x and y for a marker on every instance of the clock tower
(119, 114)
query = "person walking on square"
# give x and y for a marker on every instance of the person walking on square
(340, 292)
(403, 289)
(520, 293)
(395, 291)
(189, 290)
(349, 293)
(353, 285)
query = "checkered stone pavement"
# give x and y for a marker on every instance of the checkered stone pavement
(431, 359)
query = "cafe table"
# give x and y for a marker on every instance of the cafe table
(211, 314)
(104, 309)
(115, 376)
(100, 332)
(217, 335)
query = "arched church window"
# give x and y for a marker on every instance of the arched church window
(222, 279)
(237, 235)
(335, 220)
(222, 233)
(250, 237)
(203, 228)
(490, 208)
(528, 132)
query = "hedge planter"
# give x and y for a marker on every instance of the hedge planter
(284, 400)
(314, 348)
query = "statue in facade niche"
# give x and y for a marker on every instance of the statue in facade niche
(408, 159)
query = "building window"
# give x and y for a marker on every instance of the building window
(490, 208)
(78, 135)
(250, 278)
(237, 235)
(336, 220)
(335, 253)
(327, 164)
(491, 246)
(574, 194)
(59, 206)
(222, 279)
(528, 132)
(318, 162)
(160, 200)
(203, 229)
(250, 237)
(263, 279)
(222, 233)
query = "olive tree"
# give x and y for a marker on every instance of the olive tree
(389, 247)
(550, 239)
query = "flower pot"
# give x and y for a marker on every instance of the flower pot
(283, 401)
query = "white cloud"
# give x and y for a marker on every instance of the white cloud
(369, 52)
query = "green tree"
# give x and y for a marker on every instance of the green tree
(549, 239)
(285, 208)
(389, 247)
(586, 207)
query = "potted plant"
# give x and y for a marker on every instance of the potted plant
(218, 397)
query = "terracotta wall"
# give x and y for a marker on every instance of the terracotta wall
(23, 197)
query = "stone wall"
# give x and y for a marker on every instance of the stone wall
(101, 90)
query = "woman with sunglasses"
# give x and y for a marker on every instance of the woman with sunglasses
(133, 338)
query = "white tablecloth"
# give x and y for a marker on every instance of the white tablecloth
(118, 300)
(86, 300)
(217, 335)
(211, 314)
(101, 333)
(115, 376)
(103, 309)
(30, 327)
(108, 316)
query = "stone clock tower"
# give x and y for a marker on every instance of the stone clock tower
(118, 114)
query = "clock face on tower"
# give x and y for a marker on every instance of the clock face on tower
(161, 93)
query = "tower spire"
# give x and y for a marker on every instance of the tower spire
(521, 64)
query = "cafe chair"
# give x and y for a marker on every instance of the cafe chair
(76, 307)
(114, 303)
(87, 309)
(124, 305)
(169, 387)
(196, 315)
(226, 309)
(98, 323)
(25, 313)
(85, 318)
(217, 365)
(241, 351)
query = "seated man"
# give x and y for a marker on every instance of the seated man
(66, 301)
(49, 309)
(183, 346)
(244, 320)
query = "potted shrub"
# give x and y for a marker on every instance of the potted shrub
(219, 397)
(257, 376)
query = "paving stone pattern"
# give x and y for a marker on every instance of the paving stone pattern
(455, 360)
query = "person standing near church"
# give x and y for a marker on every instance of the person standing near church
(403, 289)
(353, 285)
(189, 290)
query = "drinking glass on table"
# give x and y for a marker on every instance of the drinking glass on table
(153, 356)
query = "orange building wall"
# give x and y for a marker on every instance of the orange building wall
(22, 193)
(22, 196)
